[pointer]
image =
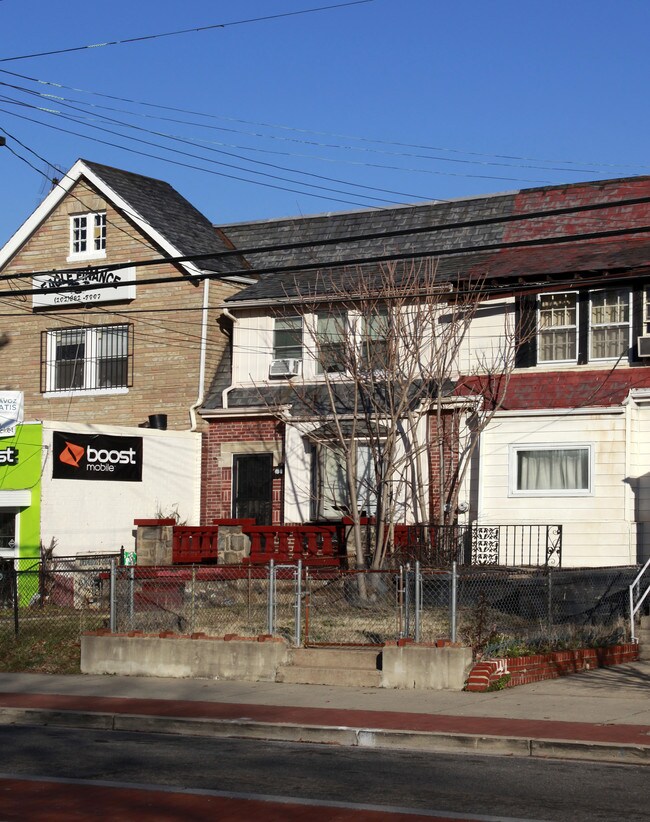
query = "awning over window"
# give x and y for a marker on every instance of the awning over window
(359, 429)
(16, 499)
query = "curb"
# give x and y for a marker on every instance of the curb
(377, 738)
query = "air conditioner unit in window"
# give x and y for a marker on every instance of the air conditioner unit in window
(284, 368)
(643, 346)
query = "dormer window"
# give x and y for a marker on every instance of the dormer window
(88, 235)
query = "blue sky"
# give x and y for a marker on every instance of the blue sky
(386, 101)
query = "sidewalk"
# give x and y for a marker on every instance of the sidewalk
(601, 715)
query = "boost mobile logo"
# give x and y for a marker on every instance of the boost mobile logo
(72, 454)
(97, 459)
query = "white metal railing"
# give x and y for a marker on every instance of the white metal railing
(640, 598)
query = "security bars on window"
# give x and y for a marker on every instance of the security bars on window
(87, 359)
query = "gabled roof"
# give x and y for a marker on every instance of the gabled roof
(484, 233)
(157, 209)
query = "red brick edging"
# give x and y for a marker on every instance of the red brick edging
(508, 672)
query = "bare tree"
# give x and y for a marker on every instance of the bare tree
(396, 389)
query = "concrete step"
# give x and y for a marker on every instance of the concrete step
(356, 667)
(366, 659)
(351, 677)
(645, 623)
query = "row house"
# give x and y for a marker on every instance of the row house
(553, 359)
(111, 341)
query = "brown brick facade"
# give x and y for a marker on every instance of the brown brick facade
(166, 320)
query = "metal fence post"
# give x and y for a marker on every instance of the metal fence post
(112, 598)
(131, 594)
(418, 600)
(407, 600)
(453, 602)
(298, 631)
(271, 598)
(549, 586)
(193, 601)
(400, 601)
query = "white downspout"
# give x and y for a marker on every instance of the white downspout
(204, 345)
(226, 391)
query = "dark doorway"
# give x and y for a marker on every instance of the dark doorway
(253, 487)
(7, 532)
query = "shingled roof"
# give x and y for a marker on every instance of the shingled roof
(171, 215)
(515, 235)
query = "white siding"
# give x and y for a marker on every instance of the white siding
(596, 529)
(483, 348)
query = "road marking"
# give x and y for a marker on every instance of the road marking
(391, 810)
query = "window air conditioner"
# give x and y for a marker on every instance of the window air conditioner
(643, 346)
(284, 368)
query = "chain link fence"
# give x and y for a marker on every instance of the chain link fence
(214, 600)
(44, 608)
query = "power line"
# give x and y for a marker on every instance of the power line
(71, 194)
(391, 234)
(365, 260)
(186, 165)
(365, 139)
(185, 31)
(65, 101)
(185, 141)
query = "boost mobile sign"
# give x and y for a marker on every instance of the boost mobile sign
(96, 457)
(47, 287)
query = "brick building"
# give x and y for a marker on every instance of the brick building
(105, 335)
(567, 444)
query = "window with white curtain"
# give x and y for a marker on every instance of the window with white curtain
(609, 323)
(551, 470)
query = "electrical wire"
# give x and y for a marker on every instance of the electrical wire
(192, 30)
(365, 139)
(185, 141)
(185, 165)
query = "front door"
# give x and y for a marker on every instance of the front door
(253, 487)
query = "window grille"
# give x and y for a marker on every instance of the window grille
(86, 359)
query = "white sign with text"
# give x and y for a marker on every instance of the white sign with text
(48, 287)
(11, 412)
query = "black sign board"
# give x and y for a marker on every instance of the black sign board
(97, 457)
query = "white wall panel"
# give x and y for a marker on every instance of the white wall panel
(97, 516)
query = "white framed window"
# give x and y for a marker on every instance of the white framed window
(610, 327)
(646, 310)
(551, 470)
(88, 235)
(557, 324)
(94, 358)
(332, 329)
(375, 331)
(331, 491)
(287, 338)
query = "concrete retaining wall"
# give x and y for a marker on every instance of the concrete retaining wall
(416, 666)
(256, 659)
(174, 656)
